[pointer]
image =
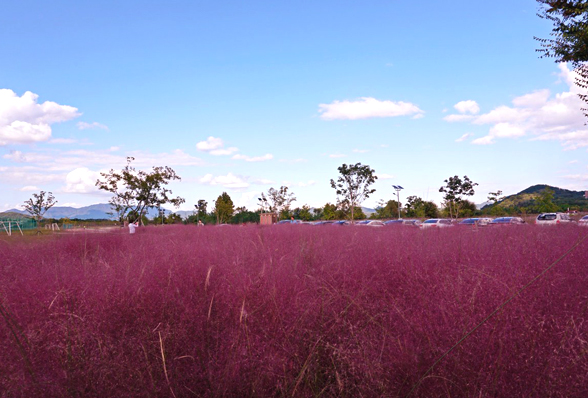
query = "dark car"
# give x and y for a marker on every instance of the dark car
(507, 221)
(410, 223)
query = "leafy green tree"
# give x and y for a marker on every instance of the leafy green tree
(569, 37)
(353, 185)
(454, 190)
(173, 218)
(242, 215)
(495, 198)
(38, 205)
(468, 208)
(330, 212)
(318, 213)
(277, 201)
(303, 213)
(358, 213)
(430, 209)
(201, 209)
(223, 208)
(135, 191)
(414, 207)
(387, 209)
(545, 201)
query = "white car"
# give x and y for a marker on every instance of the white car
(371, 223)
(553, 219)
(436, 223)
(583, 222)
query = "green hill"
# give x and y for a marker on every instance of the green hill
(11, 215)
(527, 199)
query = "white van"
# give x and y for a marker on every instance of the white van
(552, 219)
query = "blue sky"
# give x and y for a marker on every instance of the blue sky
(244, 96)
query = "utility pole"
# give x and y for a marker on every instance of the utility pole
(398, 188)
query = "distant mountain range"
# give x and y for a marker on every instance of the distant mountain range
(96, 212)
(100, 212)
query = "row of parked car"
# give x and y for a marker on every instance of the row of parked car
(542, 219)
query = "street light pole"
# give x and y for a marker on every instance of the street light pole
(398, 188)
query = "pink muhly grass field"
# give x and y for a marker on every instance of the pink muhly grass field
(294, 311)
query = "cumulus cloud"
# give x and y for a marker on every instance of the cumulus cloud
(23, 120)
(246, 158)
(215, 146)
(468, 106)
(81, 180)
(367, 107)
(93, 125)
(464, 137)
(228, 181)
(539, 114)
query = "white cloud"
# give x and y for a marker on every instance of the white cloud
(360, 151)
(539, 114)
(337, 155)
(93, 125)
(486, 140)
(216, 147)
(308, 183)
(500, 130)
(464, 137)
(248, 200)
(468, 106)
(28, 175)
(210, 144)
(532, 100)
(228, 181)
(573, 161)
(569, 140)
(246, 158)
(62, 141)
(29, 188)
(366, 107)
(81, 180)
(24, 121)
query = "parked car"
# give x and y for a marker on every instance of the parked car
(412, 223)
(327, 222)
(340, 222)
(481, 222)
(583, 221)
(553, 219)
(372, 223)
(507, 221)
(436, 223)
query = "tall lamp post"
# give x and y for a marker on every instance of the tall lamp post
(398, 188)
